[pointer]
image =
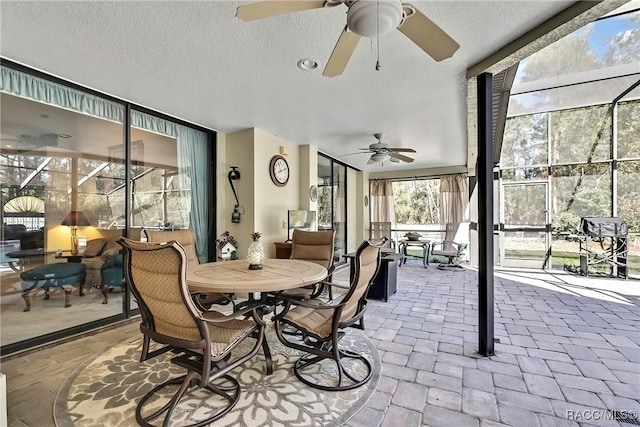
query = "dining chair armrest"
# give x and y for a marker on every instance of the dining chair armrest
(434, 245)
(311, 303)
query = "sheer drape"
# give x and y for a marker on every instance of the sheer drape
(454, 199)
(193, 160)
(31, 87)
(382, 205)
(192, 170)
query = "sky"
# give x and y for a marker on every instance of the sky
(604, 29)
(597, 34)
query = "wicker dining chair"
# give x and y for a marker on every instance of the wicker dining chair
(322, 324)
(203, 340)
(317, 247)
(187, 240)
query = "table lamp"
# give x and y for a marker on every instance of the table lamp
(75, 219)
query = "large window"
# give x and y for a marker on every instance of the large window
(64, 182)
(573, 128)
(417, 207)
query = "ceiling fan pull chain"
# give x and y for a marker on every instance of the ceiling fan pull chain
(378, 34)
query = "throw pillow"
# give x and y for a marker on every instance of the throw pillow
(94, 247)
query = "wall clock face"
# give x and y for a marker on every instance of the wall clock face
(313, 193)
(279, 170)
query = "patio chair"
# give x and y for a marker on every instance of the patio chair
(317, 247)
(322, 326)
(203, 340)
(378, 230)
(449, 248)
(187, 240)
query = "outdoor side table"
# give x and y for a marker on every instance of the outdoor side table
(403, 244)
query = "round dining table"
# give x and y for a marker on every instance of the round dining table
(235, 276)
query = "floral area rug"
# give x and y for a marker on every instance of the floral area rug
(105, 391)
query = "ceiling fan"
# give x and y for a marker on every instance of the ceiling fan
(381, 152)
(29, 142)
(365, 18)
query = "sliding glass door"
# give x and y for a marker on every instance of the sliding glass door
(79, 170)
(332, 203)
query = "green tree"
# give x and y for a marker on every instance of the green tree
(525, 141)
(417, 202)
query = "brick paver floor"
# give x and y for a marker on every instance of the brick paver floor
(568, 351)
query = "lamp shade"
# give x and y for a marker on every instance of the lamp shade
(76, 218)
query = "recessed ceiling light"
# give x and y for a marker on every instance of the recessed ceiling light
(9, 146)
(63, 135)
(307, 64)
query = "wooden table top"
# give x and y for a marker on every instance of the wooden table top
(235, 276)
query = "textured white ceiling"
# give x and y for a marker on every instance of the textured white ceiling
(196, 61)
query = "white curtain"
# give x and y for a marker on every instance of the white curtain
(382, 206)
(454, 199)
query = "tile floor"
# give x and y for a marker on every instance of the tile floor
(569, 353)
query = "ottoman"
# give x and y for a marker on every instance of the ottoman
(61, 275)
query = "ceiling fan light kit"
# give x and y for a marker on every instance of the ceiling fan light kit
(371, 19)
(380, 157)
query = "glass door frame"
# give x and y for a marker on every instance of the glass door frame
(544, 229)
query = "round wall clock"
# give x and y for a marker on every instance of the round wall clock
(313, 193)
(279, 170)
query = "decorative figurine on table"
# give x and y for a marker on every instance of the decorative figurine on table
(255, 254)
(227, 246)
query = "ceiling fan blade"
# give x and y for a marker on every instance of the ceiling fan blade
(351, 154)
(401, 157)
(402, 150)
(371, 161)
(341, 53)
(268, 8)
(427, 35)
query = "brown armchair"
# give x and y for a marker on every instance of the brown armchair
(187, 240)
(98, 252)
(322, 324)
(206, 342)
(317, 247)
